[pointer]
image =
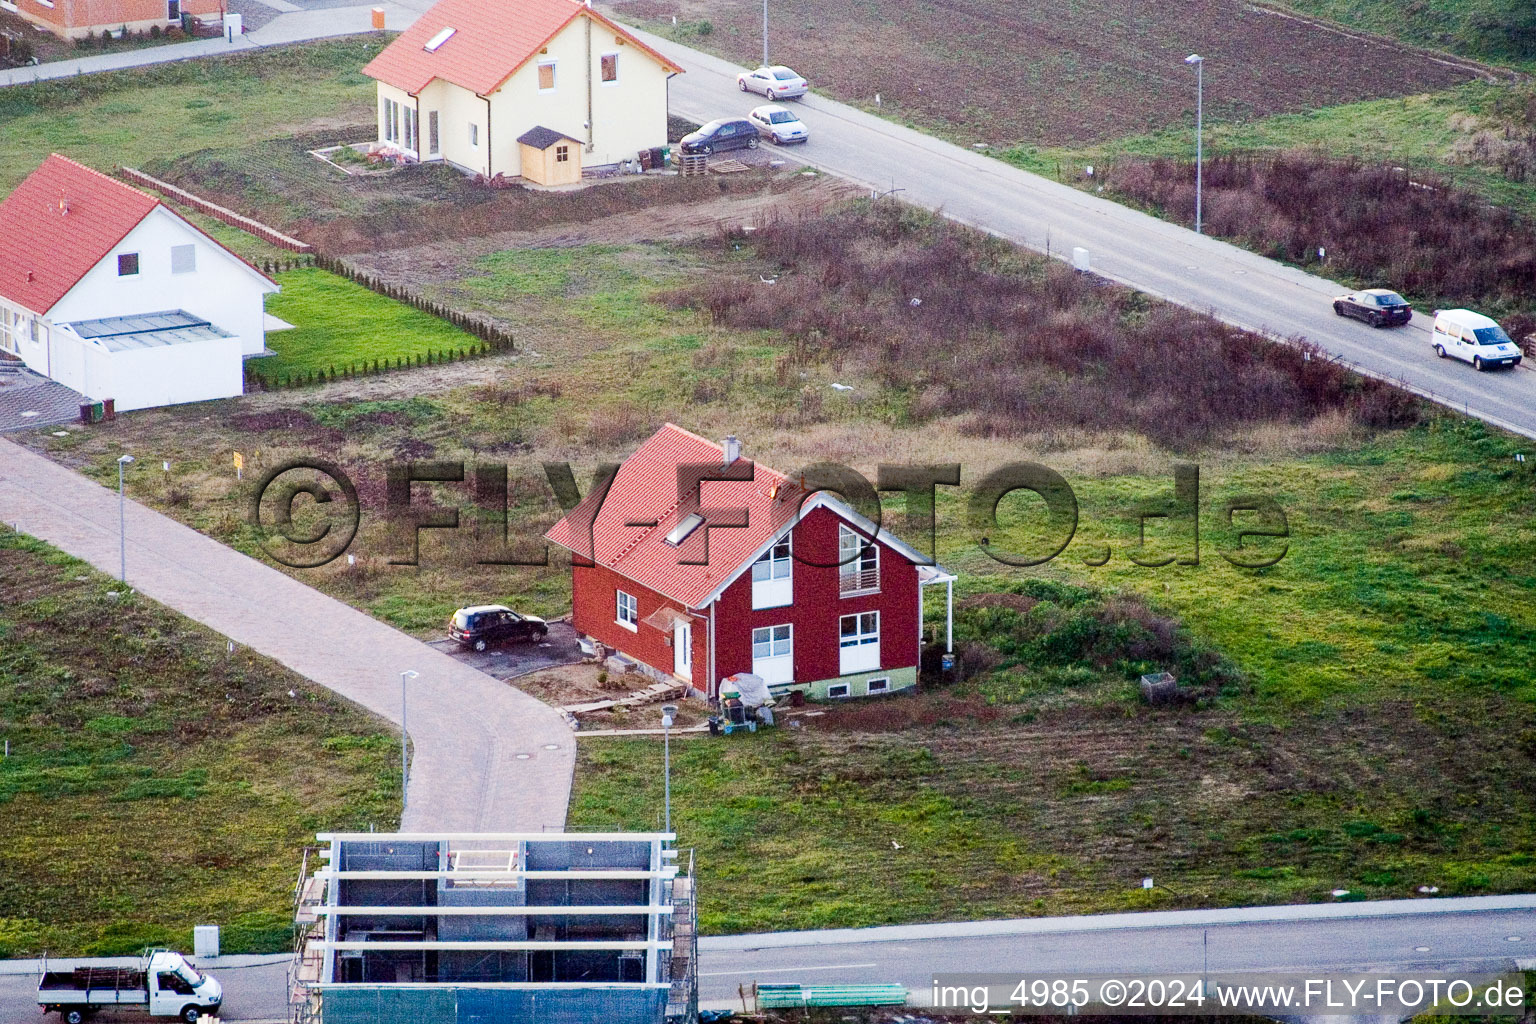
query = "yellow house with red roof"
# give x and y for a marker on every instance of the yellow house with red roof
(531, 88)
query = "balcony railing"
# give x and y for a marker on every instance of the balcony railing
(858, 581)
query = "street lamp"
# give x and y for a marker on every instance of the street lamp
(122, 520)
(405, 766)
(667, 712)
(765, 33)
(1199, 63)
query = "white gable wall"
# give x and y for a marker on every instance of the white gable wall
(222, 289)
(628, 114)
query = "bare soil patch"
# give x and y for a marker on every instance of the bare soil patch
(1056, 71)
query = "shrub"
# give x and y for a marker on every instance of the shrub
(1383, 225)
(972, 326)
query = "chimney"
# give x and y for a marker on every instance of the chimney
(732, 449)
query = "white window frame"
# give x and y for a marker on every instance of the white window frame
(434, 141)
(857, 573)
(554, 74)
(627, 602)
(188, 250)
(608, 82)
(853, 650)
(773, 642)
(474, 135)
(884, 681)
(777, 667)
(773, 576)
(845, 688)
(391, 129)
(138, 264)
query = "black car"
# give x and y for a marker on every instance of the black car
(487, 624)
(1376, 306)
(718, 136)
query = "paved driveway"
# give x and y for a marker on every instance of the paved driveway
(487, 757)
(513, 660)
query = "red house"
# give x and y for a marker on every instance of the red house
(800, 589)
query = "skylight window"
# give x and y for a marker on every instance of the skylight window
(681, 531)
(439, 39)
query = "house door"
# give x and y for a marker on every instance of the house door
(682, 649)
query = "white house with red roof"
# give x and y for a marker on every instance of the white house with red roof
(699, 581)
(108, 292)
(520, 88)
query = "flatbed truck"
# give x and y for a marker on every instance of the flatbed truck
(164, 984)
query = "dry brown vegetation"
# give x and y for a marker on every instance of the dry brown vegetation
(966, 325)
(1380, 224)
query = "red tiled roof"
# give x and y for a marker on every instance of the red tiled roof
(492, 39)
(645, 489)
(57, 225)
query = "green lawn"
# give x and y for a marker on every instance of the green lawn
(338, 323)
(1374, 737)
(1499, 31)
(156, 780)
(135, 116)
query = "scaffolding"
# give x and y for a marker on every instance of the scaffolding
(450, 928)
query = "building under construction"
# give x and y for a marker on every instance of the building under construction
(471, 928)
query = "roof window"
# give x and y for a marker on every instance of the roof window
(438, 40)
(681, 531)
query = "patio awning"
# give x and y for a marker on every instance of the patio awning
(666, 619)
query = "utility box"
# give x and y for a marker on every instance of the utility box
(233, 26)
(378, 18)
(205, 940)
(1080, 260)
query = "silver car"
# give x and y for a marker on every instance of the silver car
(776, 83)
(778, 125)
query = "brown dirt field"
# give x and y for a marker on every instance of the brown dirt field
(1058, 71)
(444, 261)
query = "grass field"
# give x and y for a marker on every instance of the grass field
(1502, 31)
(338, 323)
(1374, 723)
(156, 781)
(1055, 72)
(134, 117)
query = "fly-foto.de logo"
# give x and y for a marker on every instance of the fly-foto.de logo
(309, 513)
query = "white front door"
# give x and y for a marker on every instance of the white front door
(682, 649)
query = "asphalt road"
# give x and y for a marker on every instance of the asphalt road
(1462, 940)
(1443, 935)
(1124, 245)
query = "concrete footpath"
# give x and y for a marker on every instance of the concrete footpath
(295, 25)
(487, 757)
(1112, 922)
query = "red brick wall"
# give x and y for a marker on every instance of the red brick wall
(594, 611)
(818, 606)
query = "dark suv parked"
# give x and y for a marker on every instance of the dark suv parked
(485, 625)
(718, 136)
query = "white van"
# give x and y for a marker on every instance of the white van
(1474, 338)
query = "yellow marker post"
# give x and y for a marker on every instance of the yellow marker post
(239, 466)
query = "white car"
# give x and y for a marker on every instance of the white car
(1472, 337)
(776, 83)
(778, 125)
